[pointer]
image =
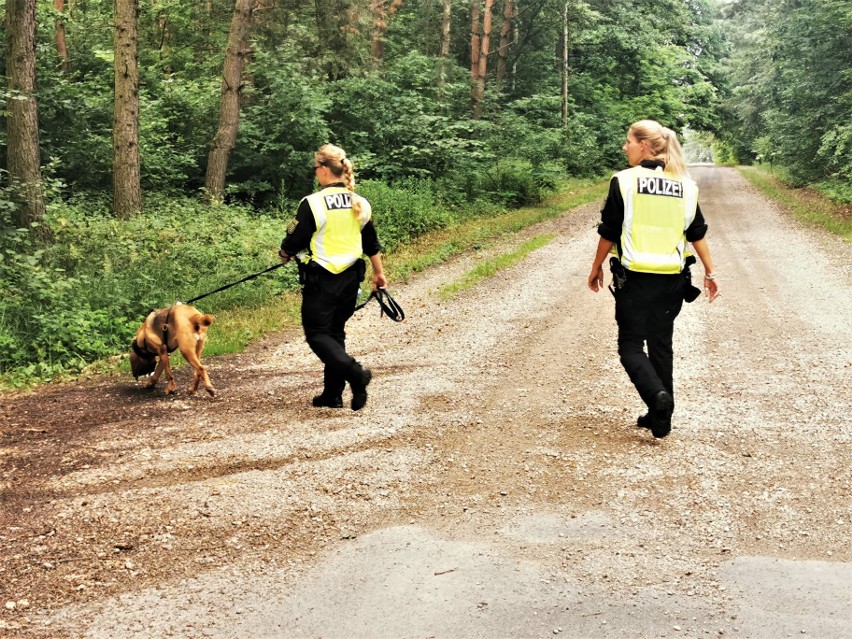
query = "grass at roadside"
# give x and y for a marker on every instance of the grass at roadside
(490, 267)
(805, 205)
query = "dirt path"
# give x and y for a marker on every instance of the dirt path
(495, 485)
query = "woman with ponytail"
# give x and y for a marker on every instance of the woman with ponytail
(649, 217)
(331, 232)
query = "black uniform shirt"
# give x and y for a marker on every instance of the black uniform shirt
(612, 214)
(299, 234)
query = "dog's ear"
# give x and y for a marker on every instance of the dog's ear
(141, 366)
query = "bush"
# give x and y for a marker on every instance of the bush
(82, 298)
(405, 210)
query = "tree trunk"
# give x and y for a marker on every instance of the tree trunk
(380, 24)
(565, 67)
(446, 23)
(229, 114)
(59, 35)
(381, 12)
(503, 51)
(127, 192)
(475, 6)
(515, 38)
(22, 142)
(479, 85)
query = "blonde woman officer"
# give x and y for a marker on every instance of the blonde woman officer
(330, 233)
(649, 216)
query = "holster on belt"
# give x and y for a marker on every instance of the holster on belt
(619, 274)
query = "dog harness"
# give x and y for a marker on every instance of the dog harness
(146, 353)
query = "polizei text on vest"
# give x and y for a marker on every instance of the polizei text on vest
(660, 186)
(338, 201)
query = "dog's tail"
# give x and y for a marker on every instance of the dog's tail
(198, 320)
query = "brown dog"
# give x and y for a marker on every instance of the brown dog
(177, 327)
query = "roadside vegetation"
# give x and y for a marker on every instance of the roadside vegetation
(806, 205)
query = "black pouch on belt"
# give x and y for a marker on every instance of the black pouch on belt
(308, 273)
(361, 269)
(690, 292)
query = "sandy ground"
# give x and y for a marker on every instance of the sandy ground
(494, 486)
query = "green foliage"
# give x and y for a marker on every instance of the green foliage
(310, 79)
(83, 297)
(793, 88)
(282, 123)
(405, 210)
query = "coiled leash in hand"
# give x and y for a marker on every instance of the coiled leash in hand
(389, 305)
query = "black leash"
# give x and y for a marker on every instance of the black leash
(245, 279)
(389, 305)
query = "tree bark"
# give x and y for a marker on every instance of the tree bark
(479, 85)
(446, 23)
(503, 51)
(127, 191)
(380, 25)
(229, 113)
(565, 34)
(22, 141)
(59, 35)
(475, 6)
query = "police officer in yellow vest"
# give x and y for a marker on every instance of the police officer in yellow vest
(649, 216)
(330, 233)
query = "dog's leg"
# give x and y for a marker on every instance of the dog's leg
(171, 388)
(193, 357)
(155, 377)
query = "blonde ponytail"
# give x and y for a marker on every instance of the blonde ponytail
(663, 144)
(335, 159)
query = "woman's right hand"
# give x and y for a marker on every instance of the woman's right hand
(596, 278)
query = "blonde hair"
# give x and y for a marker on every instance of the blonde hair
(335, 159)
(663, 145)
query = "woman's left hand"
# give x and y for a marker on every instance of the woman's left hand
(711, 289)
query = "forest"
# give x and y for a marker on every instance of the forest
(155, 149)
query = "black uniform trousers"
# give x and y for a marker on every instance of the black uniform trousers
(645, 311)
(328, 301)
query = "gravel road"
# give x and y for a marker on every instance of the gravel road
(494, 486)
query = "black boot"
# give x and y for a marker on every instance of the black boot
(359, 388)
(327, 401)
(661, 415)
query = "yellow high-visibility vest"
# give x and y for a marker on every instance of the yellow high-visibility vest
(336, 244)
(658, 208)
